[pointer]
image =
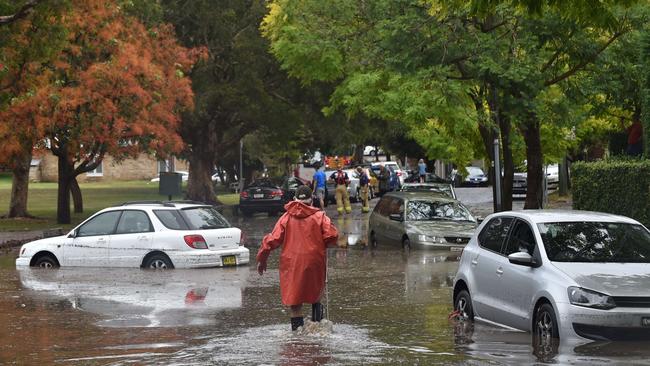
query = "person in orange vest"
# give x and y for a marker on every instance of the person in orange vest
(304, 232)
(341, 180)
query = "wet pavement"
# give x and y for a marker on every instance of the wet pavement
(386, 306)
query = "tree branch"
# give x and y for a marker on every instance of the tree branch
(21, 13)
(585, 61)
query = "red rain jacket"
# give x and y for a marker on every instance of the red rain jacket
(304, 233)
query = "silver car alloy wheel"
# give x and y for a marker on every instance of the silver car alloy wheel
(46, 264)
(545, 327)
(461, 305)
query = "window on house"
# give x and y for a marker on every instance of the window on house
(97, 172)
(165, 166)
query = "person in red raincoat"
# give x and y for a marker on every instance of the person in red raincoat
(304, 232)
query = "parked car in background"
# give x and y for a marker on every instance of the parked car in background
(261, 196)
(396, 167)
(372, 151)
(475, 177)
(444, 188)
(420, 219)
(145, 234)
(184, 176)
(570, 275)
(520, 179)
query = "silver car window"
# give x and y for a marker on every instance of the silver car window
(521, 239)
(595, 242)
(494, 233)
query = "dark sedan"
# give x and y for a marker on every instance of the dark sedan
(261, 196)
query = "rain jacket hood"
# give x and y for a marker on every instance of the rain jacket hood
(300, 210)
(303, 232)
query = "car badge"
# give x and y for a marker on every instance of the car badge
(459, 240)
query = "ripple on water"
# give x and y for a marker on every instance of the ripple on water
(277, 345)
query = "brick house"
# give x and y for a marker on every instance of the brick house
(144, 167)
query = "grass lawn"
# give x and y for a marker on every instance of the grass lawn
(96, 196)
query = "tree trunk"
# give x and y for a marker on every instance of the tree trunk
(199, 184)
(534, 192)
(358, 154)
(65, 170)
(77, 198)
(20, 186)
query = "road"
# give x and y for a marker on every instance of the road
(387, 306)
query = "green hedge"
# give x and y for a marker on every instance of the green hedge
(620, 187)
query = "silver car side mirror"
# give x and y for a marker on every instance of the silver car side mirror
(522, 259)
(73, 234)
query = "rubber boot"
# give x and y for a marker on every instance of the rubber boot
(297, 322)
(316, 312)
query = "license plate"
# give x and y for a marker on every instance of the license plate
(645, 322)
(258, 195)
(229, 260)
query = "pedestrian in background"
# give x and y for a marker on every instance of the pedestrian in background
(319, 184)
(384, 180)
(304, 232)
(341, 180)
(364, 181)
(422, 169)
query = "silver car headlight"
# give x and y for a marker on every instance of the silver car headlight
(590, 299)
(431, 238)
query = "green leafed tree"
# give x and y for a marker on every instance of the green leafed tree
(499, 69)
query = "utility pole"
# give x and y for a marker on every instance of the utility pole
(497, 176)
(241, 164)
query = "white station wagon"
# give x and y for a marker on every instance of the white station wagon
(147, 234)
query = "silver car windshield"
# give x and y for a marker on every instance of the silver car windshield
(421, 210)
(595, 242)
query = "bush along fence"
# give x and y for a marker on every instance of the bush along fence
(620, 187)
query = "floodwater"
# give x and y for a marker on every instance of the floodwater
(386, 307)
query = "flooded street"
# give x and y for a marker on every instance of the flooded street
(387, 307)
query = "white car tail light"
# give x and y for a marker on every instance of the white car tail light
(195, 241)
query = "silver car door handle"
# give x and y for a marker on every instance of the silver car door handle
(474, 262)
(499, 271)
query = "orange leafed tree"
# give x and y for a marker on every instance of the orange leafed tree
(118, 88)
(27, 47)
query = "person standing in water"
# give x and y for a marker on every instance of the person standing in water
(304, 232)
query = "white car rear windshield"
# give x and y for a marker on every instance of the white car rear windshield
(595, 242)
(194, 218)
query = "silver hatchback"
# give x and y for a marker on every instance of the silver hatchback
(567, 275)
(420, 219)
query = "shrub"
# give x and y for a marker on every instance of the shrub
(619, 186)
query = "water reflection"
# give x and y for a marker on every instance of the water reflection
(139, 298)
